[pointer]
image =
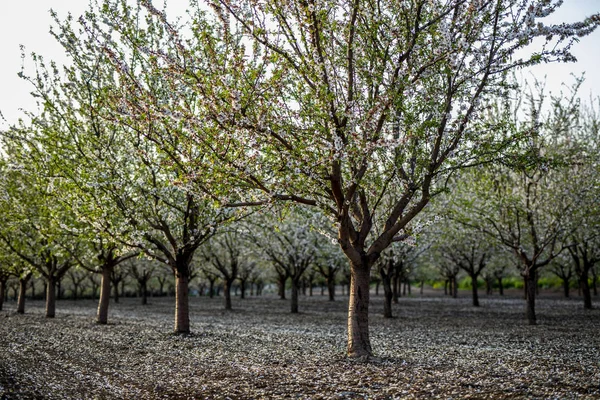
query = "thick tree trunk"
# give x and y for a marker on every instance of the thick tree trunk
(474, 290)
(51, 298)
(227, 293)
(359, 344)
(530, 292)
(22, 291)
(295, 290)
(102, 315)
(331, 288)
(182, 305)
(585, 290)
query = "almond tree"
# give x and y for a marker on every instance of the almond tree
(225, 253)
(468, 249)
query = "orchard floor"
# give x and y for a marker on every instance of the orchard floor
(436, 347)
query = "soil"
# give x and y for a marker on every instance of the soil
(436, 347)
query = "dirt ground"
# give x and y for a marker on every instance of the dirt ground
(436, 347)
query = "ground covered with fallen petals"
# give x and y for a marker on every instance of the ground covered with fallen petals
(436, 347)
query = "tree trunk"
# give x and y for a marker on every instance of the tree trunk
(144, 290)
(102, 315)
(32, 289)
(566, 287)
(227, 292)
(22, 290)
(243, 289)
(310, 289)
(281, 287)
(500, 286)
(395, 289)
(387, 296)
(182, 305)
(421, 287)
(51, 298)
(359, 344)
(530, 291)
(295, 289)
(446, 283)
(474, 290)
(116, 290)
(331, 288)
(211, 288)
(454, 287)
(585, 290)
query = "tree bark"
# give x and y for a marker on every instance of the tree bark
(530, 292)
(474, 290)
(294, 302)
(359, 344)
(182, 306)
(102, 315)
(51, 298)
(227, 293)
(22, 290)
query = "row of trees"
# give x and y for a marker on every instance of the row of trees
(161, 132)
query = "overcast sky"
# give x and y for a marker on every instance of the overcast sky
(27, 22)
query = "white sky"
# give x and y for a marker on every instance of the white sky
(27, 22)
